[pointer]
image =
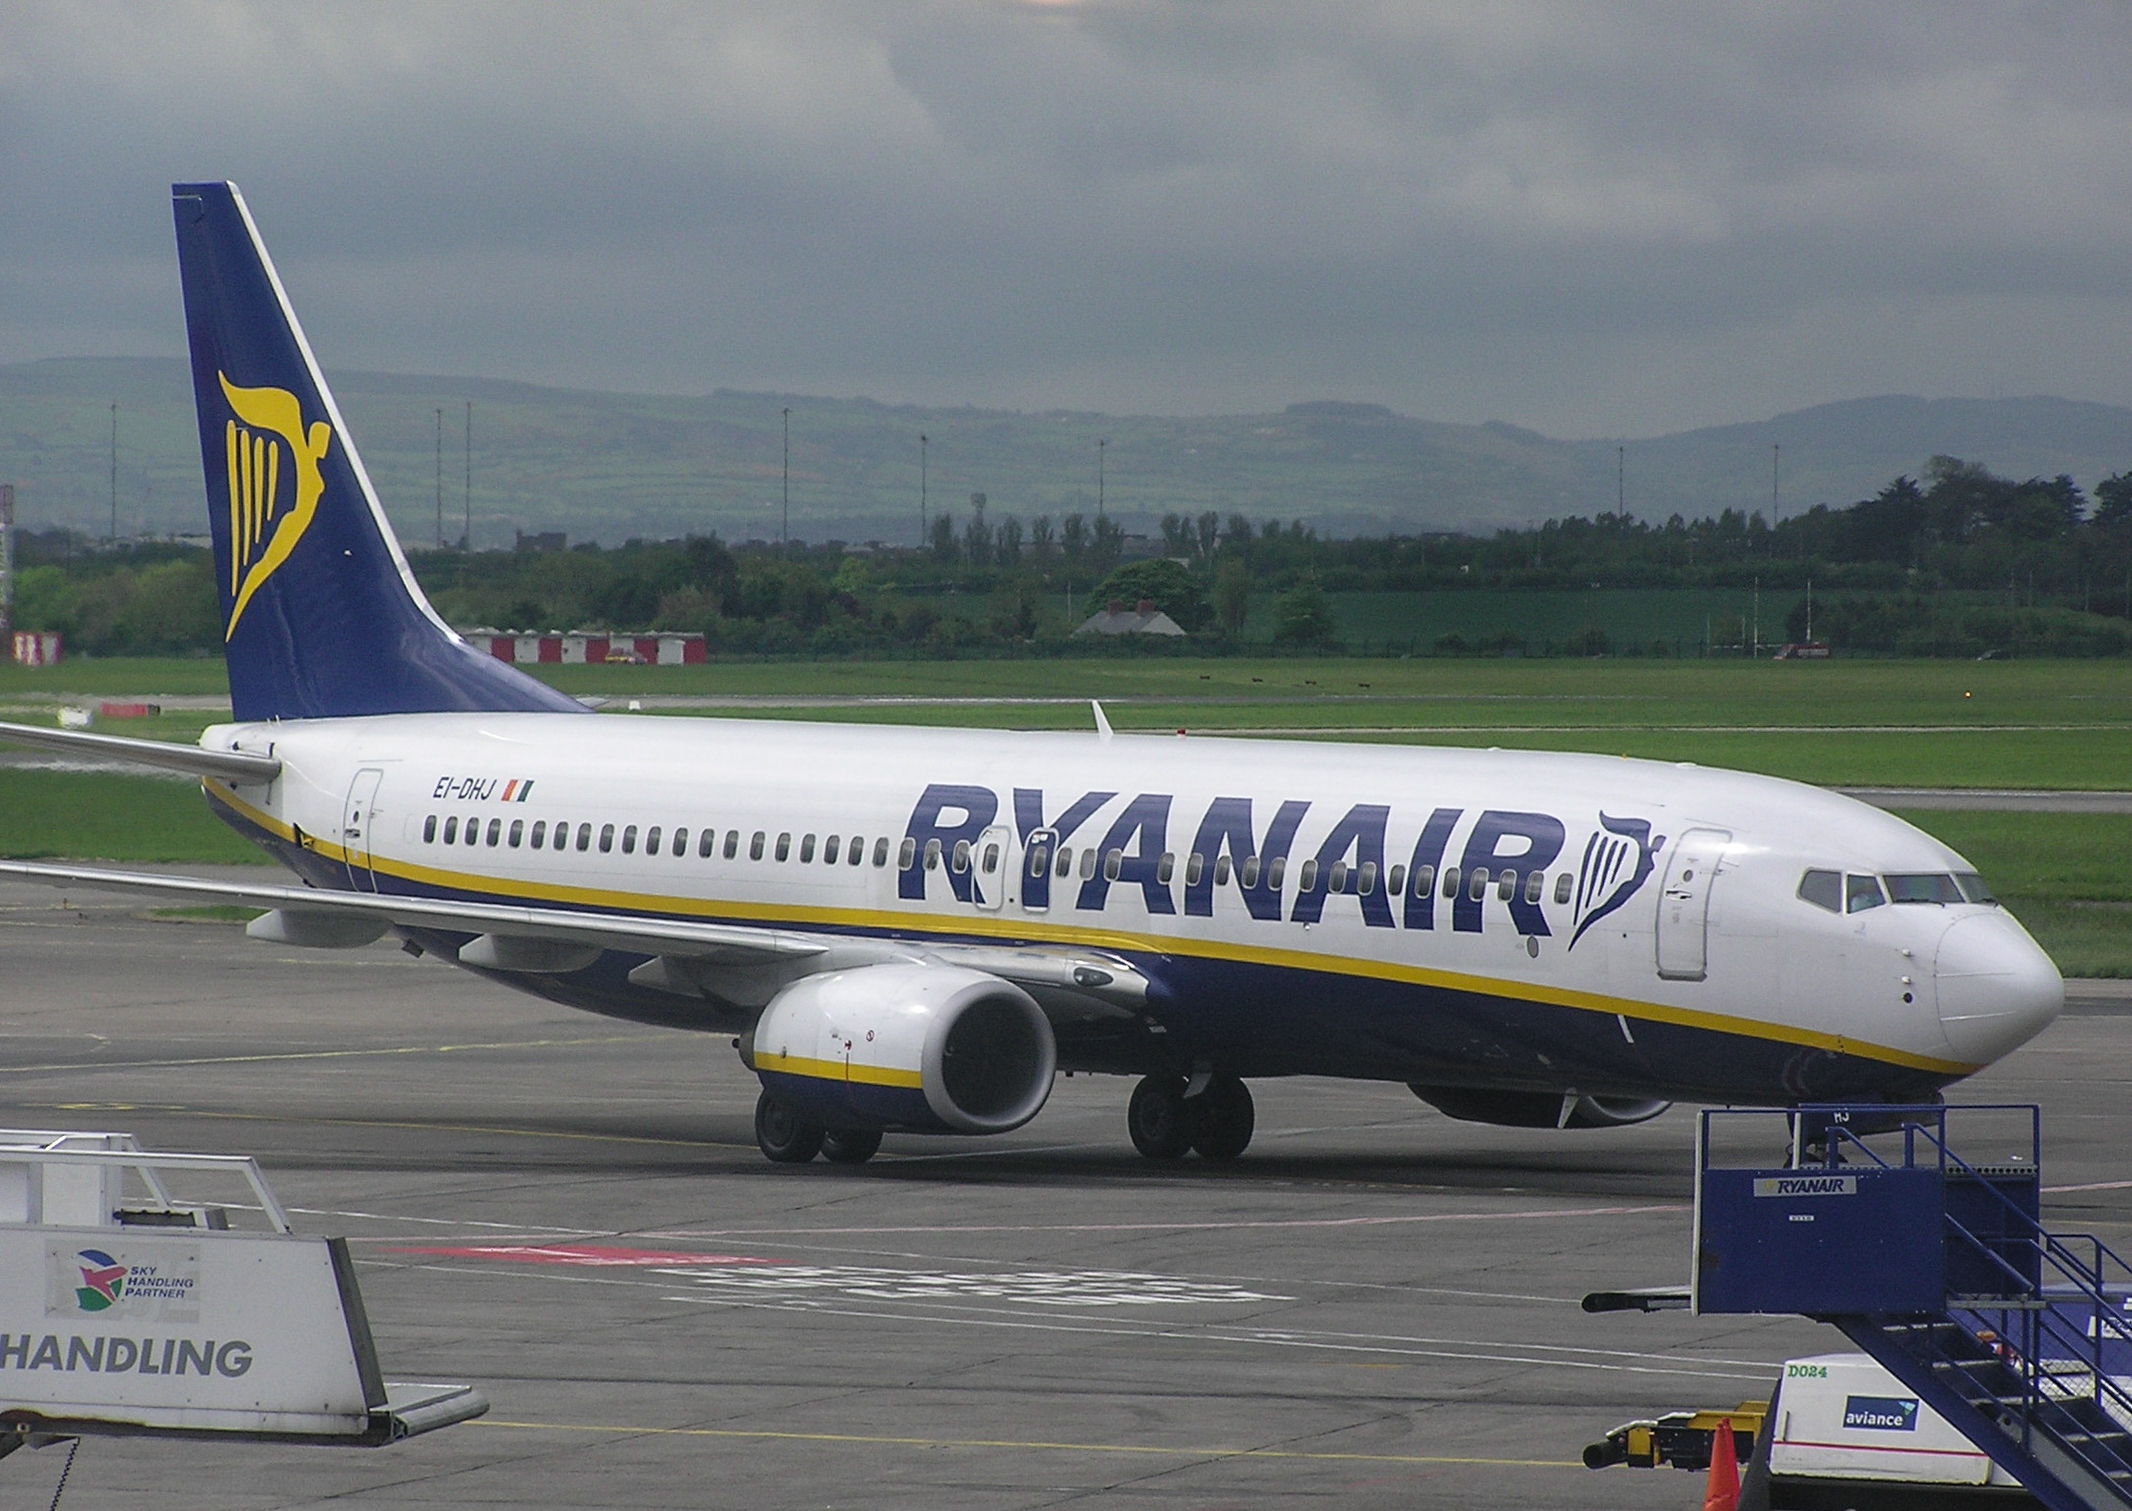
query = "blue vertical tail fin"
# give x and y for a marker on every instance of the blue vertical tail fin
(321, 616)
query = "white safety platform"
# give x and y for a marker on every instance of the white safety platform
(125, 1310)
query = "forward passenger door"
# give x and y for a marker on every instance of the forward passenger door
(1684, 904)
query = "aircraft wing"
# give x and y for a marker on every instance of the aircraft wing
(230, 765)
(1068, 982)
(656, 936)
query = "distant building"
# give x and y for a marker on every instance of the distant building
(1143, 618)
(546, 540)
(583, 648)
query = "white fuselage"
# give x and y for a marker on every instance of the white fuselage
(1651, 934)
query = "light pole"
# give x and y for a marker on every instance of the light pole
(1776, 498)
(922, 444)
(1621, 486)
(784, 527)
(114, 474)
(440, 475)
(1101, 446)
(470, 474)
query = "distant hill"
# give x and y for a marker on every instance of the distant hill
(608, 466)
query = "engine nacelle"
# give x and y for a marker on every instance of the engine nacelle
(1538, 1109)
(929, 1048)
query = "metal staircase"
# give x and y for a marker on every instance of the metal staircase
(1941, 1269)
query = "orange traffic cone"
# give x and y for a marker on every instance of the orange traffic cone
(1722, 1493)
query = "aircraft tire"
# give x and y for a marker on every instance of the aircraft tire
(850, 1146)
(782, 1134)
(1157, 1119)
(1221, 1119)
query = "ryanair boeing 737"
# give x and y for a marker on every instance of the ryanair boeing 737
(916, 929)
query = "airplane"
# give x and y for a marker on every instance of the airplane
(917, 929)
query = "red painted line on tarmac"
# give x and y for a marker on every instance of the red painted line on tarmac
(588, 1255)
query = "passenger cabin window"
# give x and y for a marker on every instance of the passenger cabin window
(932, 855)
(830, 847)
(540, 834)
(1274, 870)
(1425, 878)
(429, 830)
(1535, 886)
(732, 843)
(1366, 879)
(1195, 866)
(1088, 863)
(857, 852)
(451, 831)
(784, 846)
(906, 853)
(495, 831)
(1065, 865)
(651, 840)
(755, 844)
(1824, 889)
(1165, 868)
(629, 840)
(518, 831)
(1112, 864)
(584, 836)
(680, 845)
(1507, 888)
(806, 851)
(1477, 887)
(1563, 884)
(606, 838)
(1307, 880)
(1249, 874)
(1929, 887)
(1860, 893)
(1336, 880)
(990, 863)
(1450, 881)
(1221, 869)
(705, 843)
(1395, 881)
(959, 857)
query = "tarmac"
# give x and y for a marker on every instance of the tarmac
(1376, 1306)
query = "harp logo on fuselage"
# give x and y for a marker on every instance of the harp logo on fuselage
(267, 517)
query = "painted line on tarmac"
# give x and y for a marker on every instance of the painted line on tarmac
(303, 1122)
(1216, 1333)
(321, 1054)
(1180, 1227)
(871, 1440)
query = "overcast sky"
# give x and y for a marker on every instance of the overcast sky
(1595, 220)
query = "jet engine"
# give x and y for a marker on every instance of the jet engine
(927, 1048)
(1538, 1109)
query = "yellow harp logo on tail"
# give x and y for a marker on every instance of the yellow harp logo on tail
(263, 529)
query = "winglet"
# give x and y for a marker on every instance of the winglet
(1102, 721)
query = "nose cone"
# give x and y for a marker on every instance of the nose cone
(1997, 989)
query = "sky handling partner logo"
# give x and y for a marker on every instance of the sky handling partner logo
(160, 1285)
(266, 520)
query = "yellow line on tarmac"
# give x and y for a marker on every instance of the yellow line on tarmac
(895, 1442)
(321, 1054)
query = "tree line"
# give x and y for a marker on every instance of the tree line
(1958, 561)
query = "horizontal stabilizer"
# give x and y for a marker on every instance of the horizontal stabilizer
(230, 765)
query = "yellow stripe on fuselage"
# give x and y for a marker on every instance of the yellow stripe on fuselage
(1025, 930)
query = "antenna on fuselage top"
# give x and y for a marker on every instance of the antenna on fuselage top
(1102, 721)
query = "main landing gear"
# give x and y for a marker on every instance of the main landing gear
(1164, 1122)
(789, 1138)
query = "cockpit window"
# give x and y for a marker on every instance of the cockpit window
(1860, 893)
(1973, 888)
(1929, 887)
(1824, 889)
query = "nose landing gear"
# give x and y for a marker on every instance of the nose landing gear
(1165, 1123)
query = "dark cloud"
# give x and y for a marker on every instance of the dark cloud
(1608, 218)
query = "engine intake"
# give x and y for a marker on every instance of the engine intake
(927, 1048)
(1537, 1109)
